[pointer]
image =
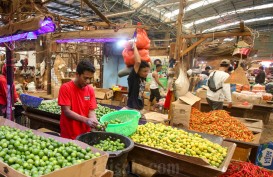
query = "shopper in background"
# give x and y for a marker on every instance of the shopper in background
(155, 83)
(206, 72)
(78, 102)
(4, 90)
(157, 62)
(216, 98)
(232, 86)
(260, 78)
(136, 82)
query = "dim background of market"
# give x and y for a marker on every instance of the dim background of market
(193, 34)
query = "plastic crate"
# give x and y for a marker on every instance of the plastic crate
(129, 118)
(30, 101)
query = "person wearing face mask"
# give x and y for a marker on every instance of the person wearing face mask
(78, 102)
(137, 81)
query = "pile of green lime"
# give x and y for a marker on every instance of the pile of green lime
(110, 145)
(51, 106)
(35, 155)
(115, 121)
(102, 110)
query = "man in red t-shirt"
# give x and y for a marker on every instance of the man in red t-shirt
(77, 101)
(4, 90)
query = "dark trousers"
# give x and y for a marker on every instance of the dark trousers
(155, 94)
(215, 105)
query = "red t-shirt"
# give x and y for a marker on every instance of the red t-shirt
(4, 89)
(81, 100)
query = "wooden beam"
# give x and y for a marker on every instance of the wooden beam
(179, 25)
(192, 46)
(89, 4)
(46, 2)
(242, 26)
(217, 34)
(124, 33)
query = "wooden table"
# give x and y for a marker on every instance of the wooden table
(39, 121)
(41, 94)
(118, 95)
(254, 111)
(172, 164)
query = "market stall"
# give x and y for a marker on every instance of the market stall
(127, 101)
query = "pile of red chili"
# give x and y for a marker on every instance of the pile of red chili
(220, 123)
(245, 169)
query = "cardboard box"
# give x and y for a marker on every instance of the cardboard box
(115, 103)
(103, 93)
(147, 102)
(88, 168)
(181, 114)
(156, 117)
(181, 110)
(201, 93)
(147, 107)
(108, 102)
(146, 95)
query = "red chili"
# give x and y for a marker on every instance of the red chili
(245, 169)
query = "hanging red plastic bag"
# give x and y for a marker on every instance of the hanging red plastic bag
(167, 103)
(142, 41)
(128, 56)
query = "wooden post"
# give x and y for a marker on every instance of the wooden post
(9, 76)
(48, 63)
(192, 46)
(179, 29)
(89, 4)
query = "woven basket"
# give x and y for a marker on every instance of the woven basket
(238, 77)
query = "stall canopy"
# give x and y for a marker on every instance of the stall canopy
(27, 29)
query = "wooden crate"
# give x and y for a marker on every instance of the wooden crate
(243, 153)
(103, 93)
(92, 167)
(247, 151)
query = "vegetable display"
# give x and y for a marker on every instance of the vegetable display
(34, 155)
(179, 141)
(245, 169)
(51, 106)
(102, 110)
(220, 123)
(110, 145)
(54, 108)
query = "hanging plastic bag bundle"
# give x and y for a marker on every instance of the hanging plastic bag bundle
(128, 56)
(182, 83)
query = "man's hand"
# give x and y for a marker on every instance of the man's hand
(230, 105)
(92, 122)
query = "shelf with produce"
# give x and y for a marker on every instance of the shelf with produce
(246, 133)
(166, 160)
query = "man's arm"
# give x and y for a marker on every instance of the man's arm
(137, 58)
(72, 115)
(92, 121)
(155, 75)
(227, 93)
